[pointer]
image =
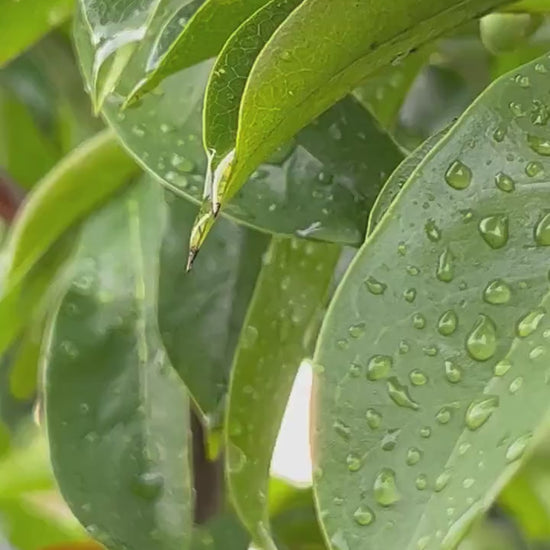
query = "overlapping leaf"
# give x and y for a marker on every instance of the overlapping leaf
(302, 189)
(83, 179)
(278, 333)
(206, 27)
(315, 57)
(201, 313)
(117, 413)
(439, 334)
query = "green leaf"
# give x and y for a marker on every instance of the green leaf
(279, 331)
(309, 193)
(205, 31)
(524, 500)
(384, 92)
(117, 414)
(84, 179)
(20, 138)
(201, 313)
(221, 115)
(117, 31)
(435, 340)
(25, 21)
(304, 69)
(293, 516)
(223, 531)
(398, 179)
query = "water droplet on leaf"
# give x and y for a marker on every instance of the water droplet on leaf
(481, 343)
(480, 410)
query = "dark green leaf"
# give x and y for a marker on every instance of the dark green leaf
(201, 313)
(279, 331)
(298, 191)
(438, 335)
(117, 414)
(304, 67)
(25, 21)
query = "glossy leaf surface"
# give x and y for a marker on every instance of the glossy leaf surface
(296, 192)
(206, 27)
(437, 335)
(117, 413)
(201, 313)
(279, 331)
(306, 67)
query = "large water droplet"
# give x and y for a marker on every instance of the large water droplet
(432, 231)
(421, 482)
(453, 372)
(419, 321)
(417, 377)
(497, 292)
(379, 367)
(374, 419)
(530, 322)
(425, 432)
(357, 330)
(502, 367)
(389, 441)
(504, 182)
(363, 515)
(447, 323)
(542, 231)
(442, 481)
(516, 449)
(385, 488)
(534, 169)
(400, 394)
(148, 485)
(414, 454)
(539, 145)
(445, 267)
(443, 416)
(354, 462)
(494, 230)
(374, 286)
(342, 429)
(458, 175)
(515, 384)
(410, 295)
(480, 410)
(481, 343)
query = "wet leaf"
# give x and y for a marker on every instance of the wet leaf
(204, 28)
(322, 186)
(83, 179)
(398, 179)
(117, 30)
(24, 22)
(278, 333)
(117, 413)
(304, 68)
(201, 313)
(416, 422)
